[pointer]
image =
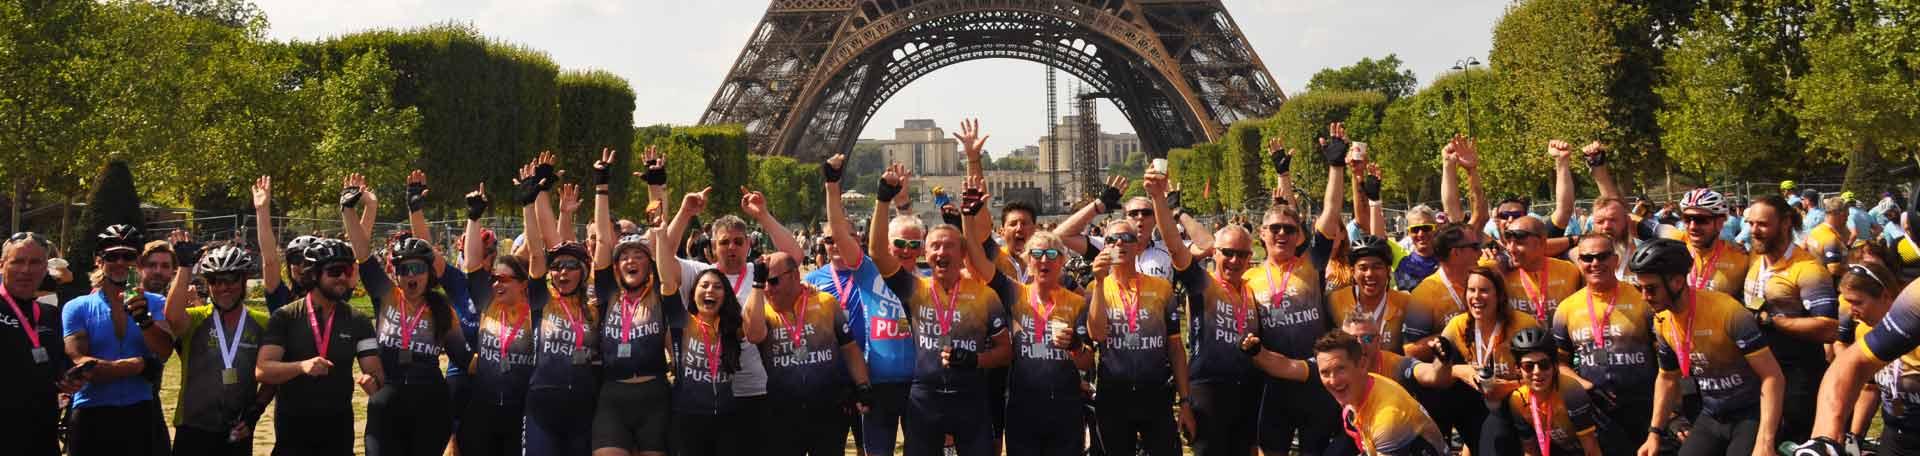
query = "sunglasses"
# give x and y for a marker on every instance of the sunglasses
(410, 268)
(1594, 257)
(505, 278)
(1236, 253)
(1140, 213)
(337, 271)
(1283, 229)
(1699, 219)
(118, 256)
(1044, 254)
(566, 265)
(224, 279)
(904, 243)
(1367, 338)
(1510, 215)
(1517, 235)
(1536, 366)
(1420, 229)
(829, 240)
(1122, 238)
(774, 278)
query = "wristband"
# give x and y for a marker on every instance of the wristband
(1109, 199)
(350, 197)
(602, 191)
(476, 206)
(829, 173)
(654, 176)
(1370, 187)
(544, 176)
(1597, 160)
(1281, 161)
(602, 173)
(527, 191)
(1173, 201)
(887, 190)
(1335, 152)
(416, 197)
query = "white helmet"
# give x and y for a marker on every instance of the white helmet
(1704, 199)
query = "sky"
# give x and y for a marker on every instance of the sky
(675, 52)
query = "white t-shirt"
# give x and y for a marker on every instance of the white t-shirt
(1154, 261)
(752, 378)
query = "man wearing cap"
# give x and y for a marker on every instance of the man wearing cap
(114, 414)
(31, 351)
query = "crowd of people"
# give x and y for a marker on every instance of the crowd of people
(1711, 326)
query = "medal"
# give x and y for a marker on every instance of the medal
(28, 325)
(229, 376)
(39, 355)
(625, 351)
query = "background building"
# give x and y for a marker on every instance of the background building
(925, 148)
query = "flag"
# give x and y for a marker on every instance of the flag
(1207, 191)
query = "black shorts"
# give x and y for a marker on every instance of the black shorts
(633, 416)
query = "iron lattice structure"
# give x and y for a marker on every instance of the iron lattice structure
(814, 71)
(1086, 146)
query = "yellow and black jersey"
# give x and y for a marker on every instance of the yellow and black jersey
(1537, 291)
(1462, 333)
(1623, 358)
(1389, 311)
(1796, 286)
(1566, 412)
(1717, 337)
(1292, 306)
(1388, 421)
(1141, 317)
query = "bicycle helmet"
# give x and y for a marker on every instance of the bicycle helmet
(568, 248)
(1704, 199)
(632, 241)
(409, 248)
(226, 259)
(1532, 340)
(1369, 246)
(119, 236)
(296, 250)
(1786, 185)
(1661, 256)
(327, 251)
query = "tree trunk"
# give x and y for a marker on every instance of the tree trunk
(1864, 168)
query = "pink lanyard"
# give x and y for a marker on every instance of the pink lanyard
(1683, 342)
(952, 307)
(1602, 319)
(1702, 275)
(713, 348)
(797, 326)
(1280, 292)
(1537, 291)
(321, 339)
(845, 289)
(1239, 302)
(1040, 315)
(579, 329)
(509, 331)
(407, 325)
(1540, 427)
(627, 309)
(30, 326)
(1130, 303)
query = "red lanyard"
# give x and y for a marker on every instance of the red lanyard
(1040, 315)
(627, 309)
(945, 313)
(510, 331)
(739, 278)
(1540, 427)
(845, 289)
(1702, 275)
(1280, 292)
(1599, 321)
(713, 348)
(1683, 342)
(1130, 303)
(1537, 291)
(407, 325)
(30, 326)
(1239, 305)
(579, 328)
(797, 326)
(320, 335)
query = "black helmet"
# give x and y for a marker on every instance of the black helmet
(226, 259)
(119, 236)
(568, 248)
(1369, 246)
(327, 251)
(296, 250)
(1661, 256)
(1532, 340)
(409, 248)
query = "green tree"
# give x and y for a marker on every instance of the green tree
(596, 111)
(1132, 167)
(1727, 91)
(1384, 76)
(1860, 97)
(38, 53)
(1583, 70)
(114, 201)
(791, 188)
(1302, 120)
(1012, 163)
(1196, 170)
(364, 131)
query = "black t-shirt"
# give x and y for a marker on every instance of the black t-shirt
(350, 339)
(421, 345)
(702, 384)
(639, 327)
(1220, 319)
(503, 387)
(27, 390)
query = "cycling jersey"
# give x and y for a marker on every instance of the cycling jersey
(1722, 269)
(1292, 306)
(1826, 244)
(1719, 336)
(1435, 302)
(565, 339)
(350, 339)
(1389, 313)
(966, 316)
(1566, 410)
(1895, 340)
(802, 348)
(633, 329)
(1412, 269)
(214, 393)
(1796, 286)
(879, 320)
(1487, 353)
(1221, 319)
(1622, 359)
(1538, 291)
(1141, 317)
(702, 383)
(1387, 421)
(500, 374)
(418, 336)
(91, 316)
(1038, 365)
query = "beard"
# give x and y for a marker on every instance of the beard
(339, 297)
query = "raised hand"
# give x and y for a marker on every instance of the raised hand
(262, 192)
(1110, 196)
(1559, 150)
(1334, 150)
(603, 168)
(696, 202)
(351, 189)
(1337, 130)
(569, 198)
(752, 203)
(974, 197)
(527, 186)
(1156, 184)
(893, 181)
(970, 139)
(1596, 153)
(416, 191)
(477, 202)
(830, 171)
(656, 173)
(1468, 154)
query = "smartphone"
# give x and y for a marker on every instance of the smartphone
(80, 371)
(1160, 165)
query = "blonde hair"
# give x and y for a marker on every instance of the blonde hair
(1044, 240)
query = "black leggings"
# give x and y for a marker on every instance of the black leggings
(1226, 416)
(302, 433)
(707, 435)
(1732, 434)
(409, 420)
(1896, 442)
(1136, 414)
(796, 428)
(195, 442)
(1043, 423)
(488, 429)
(123, 430)
(1303, 409)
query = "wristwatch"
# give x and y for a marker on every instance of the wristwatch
(1657, 430)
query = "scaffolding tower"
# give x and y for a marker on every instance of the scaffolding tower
(1053, 149)
(1086, 153)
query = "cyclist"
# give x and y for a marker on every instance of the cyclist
(631, 416)
(218, 343)
(112, 414)
(31, 350)
(815, 366)
(1605, 336)
(1485, 370)
(1550, 413)
(301, 346)
(1707, 338)
(1721, 264)
(1794, 299)
(1376, 412)
(506, 294)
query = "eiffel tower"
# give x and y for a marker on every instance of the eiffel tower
(814, 71)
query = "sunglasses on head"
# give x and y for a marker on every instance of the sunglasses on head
(904, 243)
(1236, 253)
(338, 270)
(1283, 229)
(1537, 366)
(1510, 215)
(1044, 254)
(1122, 238)
(410, 268)
(119, 255)
(566, 265)
(28, 236)
(1516, 234)
(1140, 212)
(1594, 257)
(224, 279)
(1420, 229)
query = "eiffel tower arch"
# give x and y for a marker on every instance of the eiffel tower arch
(813, 72)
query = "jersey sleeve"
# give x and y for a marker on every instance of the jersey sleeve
(842, 326)
(276, 330)
(279, 296)
(1562, 338)
(1174, 310)
(1419, 322)
(1580, 410)
(454, 283)
(374, 279)
(1745, 333)
(997, 314)
(364, 344)
(1899, 332)
(480, 290)
(1663, 352)
(455, 345)
(603, 287)
(902, 284)
(1320, 251)
(1003, 286)
(1816, 291)
(73, 320)
(538, 295)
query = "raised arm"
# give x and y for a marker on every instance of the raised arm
(668, 266)
(972, 143)
(263, 233)
(1074, 229)
(1282, 159)
(656, 178)
(754, 204)
(755, 313)
(603, 211)
(1156, 185)
(563, 221)
(1596, 154)
(352, 194)
(690, 205)
(1563, 190)
(1450, 182)
(473, 251)
(974, 201)
(891, 182)
(1200, 237)
(1329, 224)
(1096, 297)
(1469, 160)
(837, 210)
